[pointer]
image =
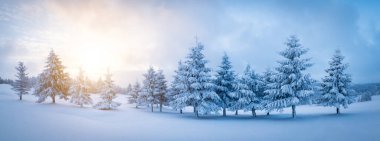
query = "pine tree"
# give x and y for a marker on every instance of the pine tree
(268, 78)
(248, 88)
(134, 94)
(201, 94)
(53, 81)
(21, 84)
(180, 88)
(336, 85)
(128, 91)
(224, 84)
(79, 91)
(161, 88)
(149, 90)
(291, 86)
(107, 95)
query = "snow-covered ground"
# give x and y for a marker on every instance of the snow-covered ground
(29, 121)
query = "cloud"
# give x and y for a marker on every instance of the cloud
(133, 35)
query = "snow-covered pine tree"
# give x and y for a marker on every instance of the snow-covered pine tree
(268, 78)
(161, 88)
(21, 84)
(128, 91)
(248, 87)
(336, 91)
(224, 84)
(149, 90)
(107, 95)
(53, 81)
(201, 94)
(134, 94)
(291, 87)
(79, 91)
(180, 88)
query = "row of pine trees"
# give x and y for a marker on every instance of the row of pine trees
(53, 82)
(287, 85)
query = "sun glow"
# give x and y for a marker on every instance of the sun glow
(97, 37)
(96, 53)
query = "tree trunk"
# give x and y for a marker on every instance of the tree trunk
(337, 111)
(196, 113)
(152, 107)
(53, 98)
(267, 113)
(254, 112)
(293, 111)
(180, 111)
(194, 109)
(20, 97)
(236, 112)
(160, 107)
(224, 112)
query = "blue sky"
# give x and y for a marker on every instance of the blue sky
(130, 36)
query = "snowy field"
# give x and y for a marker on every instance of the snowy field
(29, 121)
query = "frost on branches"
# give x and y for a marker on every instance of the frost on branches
(248, 88)
(149, 90)
(107, 95)
(224, 84)
(79, 91)
(53, 81)
(267, 78)
(291, 87)
(161, 98)
(200, 94)
(336, 85)
(179, 88)
(21, 84)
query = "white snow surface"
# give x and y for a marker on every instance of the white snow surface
(29, 121)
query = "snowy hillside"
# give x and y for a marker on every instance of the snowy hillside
(30, 121)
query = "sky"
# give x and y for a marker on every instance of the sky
(130, 36)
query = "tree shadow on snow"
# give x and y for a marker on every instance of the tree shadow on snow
(273, 117)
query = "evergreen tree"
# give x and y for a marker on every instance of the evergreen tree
(53, 81)
(128, 91)
(161, 88)
(248, 88)
(149, 90)
(21, 84)
(291, 86)
(336, 85)
(79, 91)
(224, 84)
(201, 94)
(180, 88)
(268, 78)
(134, 94)
(107, 95)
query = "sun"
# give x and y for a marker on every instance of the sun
(94, 53)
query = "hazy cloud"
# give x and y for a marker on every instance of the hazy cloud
(133, 35)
